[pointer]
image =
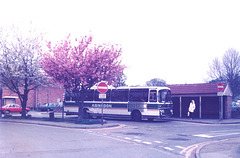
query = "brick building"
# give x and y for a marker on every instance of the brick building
(39, 96)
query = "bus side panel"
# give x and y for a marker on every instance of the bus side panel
(109, 108)
(71, 108)
(151, 110)
(137, 106)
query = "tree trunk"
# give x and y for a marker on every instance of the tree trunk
(80, 110)
(24, 98)
(80, 102)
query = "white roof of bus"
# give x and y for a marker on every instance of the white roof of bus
(142, 87)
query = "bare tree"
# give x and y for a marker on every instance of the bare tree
(19, 62)
(228, 70)
(215, 71)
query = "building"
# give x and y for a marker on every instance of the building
(206, 99)
(36, 97)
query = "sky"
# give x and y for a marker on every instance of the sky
(175, 40)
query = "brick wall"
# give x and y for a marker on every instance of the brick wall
(40, 95)
(228, 107)
(48, 95)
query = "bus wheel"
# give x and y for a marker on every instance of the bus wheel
(136, 115)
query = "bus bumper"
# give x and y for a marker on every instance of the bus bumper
(164, 113)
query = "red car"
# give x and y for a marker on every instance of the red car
(13, 108)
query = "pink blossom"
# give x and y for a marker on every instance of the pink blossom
(83, 64)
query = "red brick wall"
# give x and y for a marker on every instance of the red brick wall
(50, 95)
(228, 107)
(41, 95)
(31, 99)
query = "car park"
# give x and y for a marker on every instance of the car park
(235, 106)
(13, 108)
(48, 106)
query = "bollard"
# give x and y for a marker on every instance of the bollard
(51, 114)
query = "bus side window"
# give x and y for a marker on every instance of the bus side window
(74, 98)
(119, 95)
(153, 96)
(138, 95)
(67, 97)
(114, 95)
(89, 95)
(124, 95)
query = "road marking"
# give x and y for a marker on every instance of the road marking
(168, 148)
(225, 134)
(137, 140)
(180, 147)
(148, 143)
(203, 135)
(215, 135)
(190, 149)
(159, 142)
(127, 138)
(233, 130)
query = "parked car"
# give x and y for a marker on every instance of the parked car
(48, 106)
(12, 108)
(235, 106)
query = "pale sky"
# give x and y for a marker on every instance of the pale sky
(174, 40)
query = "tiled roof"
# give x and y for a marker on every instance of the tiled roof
(201, 88)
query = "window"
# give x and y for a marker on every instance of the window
(164, 95)
(138, 95)
(153, 96)
(119, 95)
(67, 96)
(89, 95)
(74, 98)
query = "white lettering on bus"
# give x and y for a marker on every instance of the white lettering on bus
(100, 105)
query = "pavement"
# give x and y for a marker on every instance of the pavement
(206, 121)
(43, 118)
(227, 148)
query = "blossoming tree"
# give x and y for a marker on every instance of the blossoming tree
(20, 71)
(79, 64)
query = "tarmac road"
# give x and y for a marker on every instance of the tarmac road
(229, 147)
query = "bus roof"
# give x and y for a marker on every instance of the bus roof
(142, 87)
